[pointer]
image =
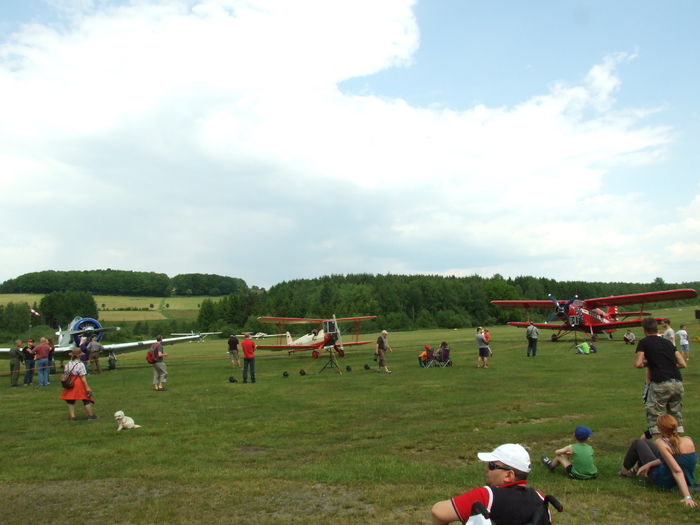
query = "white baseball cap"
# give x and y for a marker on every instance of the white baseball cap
(510, 454)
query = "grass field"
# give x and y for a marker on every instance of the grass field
(355, 448)
(131, 316)
(186, 308)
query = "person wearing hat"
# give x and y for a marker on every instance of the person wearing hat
(576, 458)
(506, 494)
(423, 356)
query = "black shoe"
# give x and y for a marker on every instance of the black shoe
(547, 462)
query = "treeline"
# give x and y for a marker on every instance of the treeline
(403, 301)
(122, 282)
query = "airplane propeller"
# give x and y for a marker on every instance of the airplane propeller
(562, 311)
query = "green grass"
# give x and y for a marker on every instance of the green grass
(29, 298)
(326, 448)
(182, 308)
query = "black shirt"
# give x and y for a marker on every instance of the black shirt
(661, 358)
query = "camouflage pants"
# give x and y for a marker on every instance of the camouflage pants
(665, 398)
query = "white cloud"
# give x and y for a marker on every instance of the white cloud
(185, 135)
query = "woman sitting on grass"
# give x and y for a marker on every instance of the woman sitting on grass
(669, 462)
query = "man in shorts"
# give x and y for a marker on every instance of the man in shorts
(383, 347)
(665, 388)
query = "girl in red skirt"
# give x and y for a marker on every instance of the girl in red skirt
(80, 391)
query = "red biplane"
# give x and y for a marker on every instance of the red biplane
(326, 335)
(587, 315)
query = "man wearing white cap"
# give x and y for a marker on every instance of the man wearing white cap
(506, 495)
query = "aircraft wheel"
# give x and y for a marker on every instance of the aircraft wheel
(314, 354)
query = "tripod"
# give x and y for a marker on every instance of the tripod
(332, 361)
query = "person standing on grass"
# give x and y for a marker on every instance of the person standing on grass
(684, 342)
(80, 391)
(85, 353)
(94, 349)
(482, 360)
(160, 369)
(28, 355)
(382, 348)
(532, 334)
(669, 334)
(506, 494)
(248, 358)
(41, 358)
(665, 383)
(15, 359)
(233, 350)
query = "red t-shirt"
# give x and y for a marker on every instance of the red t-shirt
(41, 351)
(248, 348)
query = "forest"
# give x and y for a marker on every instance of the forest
(403, 302)
(122, 282)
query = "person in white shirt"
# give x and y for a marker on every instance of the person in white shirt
(683, 341)
(668, 331)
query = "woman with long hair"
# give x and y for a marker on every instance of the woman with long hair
(669, 462)
(80, 391)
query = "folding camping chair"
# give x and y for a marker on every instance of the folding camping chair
(442, 358)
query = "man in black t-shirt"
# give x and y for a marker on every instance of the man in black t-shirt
(662, 360)
(233, 350)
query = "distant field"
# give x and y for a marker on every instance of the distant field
(159, 307)
(29, 298)
(110, 315)
(356, 448)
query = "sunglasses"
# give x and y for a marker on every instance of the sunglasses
(493, 466)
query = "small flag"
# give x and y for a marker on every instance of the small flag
(34, 312)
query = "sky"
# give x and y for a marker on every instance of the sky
(273, 140)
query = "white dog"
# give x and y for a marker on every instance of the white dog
(124, 421)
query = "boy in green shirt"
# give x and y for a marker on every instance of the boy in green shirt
(576, 458)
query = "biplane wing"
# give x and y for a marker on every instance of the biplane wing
(601, 327)
(307, 320)
(328, 333)
(298, 348)
(543, 305)
(641, 298)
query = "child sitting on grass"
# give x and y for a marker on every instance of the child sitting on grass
(576, 458)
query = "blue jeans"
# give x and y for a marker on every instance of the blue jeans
(28, 372)
(42, 366)
(249, 361)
